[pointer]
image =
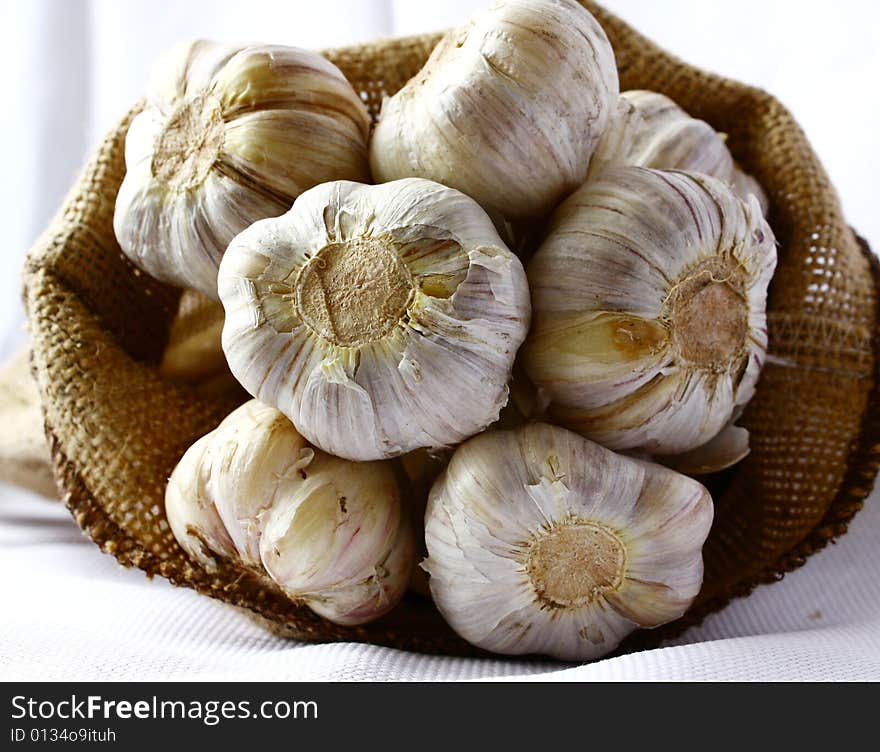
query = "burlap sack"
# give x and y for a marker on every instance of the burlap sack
(116, 427)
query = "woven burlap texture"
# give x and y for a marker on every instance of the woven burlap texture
(116, 427)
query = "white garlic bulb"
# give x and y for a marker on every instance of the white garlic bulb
(508, 109)
(541, 541)
(331, 533)
(648, 129)
(379, 319)
(230, 135)
(649, 297)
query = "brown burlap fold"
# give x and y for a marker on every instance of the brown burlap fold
(117, 428)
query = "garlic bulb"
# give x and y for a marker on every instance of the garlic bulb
(541, 541)
(379, 319)
(648, 129)
(330, 533)
(230, 135)
(649, 295)
(508, 109)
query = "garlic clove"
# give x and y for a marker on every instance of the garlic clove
(663, 575)
(253, 139)
(649, 297)
(668, 411)
(609, 351)
(194, 355)
(187, 67)
(191, 513)
(541, 541)
(291, 80)
(376, 594)
(336, 542)
(257, 467)
(331, 533)
(730, 446)
(379, 319)
(318, 523)
(145, 128)
(228, 136)
(507, 109)
(672, 139)
(648, 129)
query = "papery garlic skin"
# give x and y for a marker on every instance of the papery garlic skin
(730, 446)
(230, 135)
(648, 129)
(541, 541)
(508, 108)
(649, 296)
(672, 139)
(191, 513)
(256, 457)
(330, 533)
(379, 319)
(336, 541)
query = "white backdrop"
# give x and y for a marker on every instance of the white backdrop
(72, 67)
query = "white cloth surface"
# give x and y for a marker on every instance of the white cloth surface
(74, 66)
(71, 613)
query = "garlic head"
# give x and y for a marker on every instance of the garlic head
(507, 109)
(230, 135)
(330, 533)
(541, 541)
(379, 319)
(649, 297)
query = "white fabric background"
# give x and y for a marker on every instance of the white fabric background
(72, 67)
